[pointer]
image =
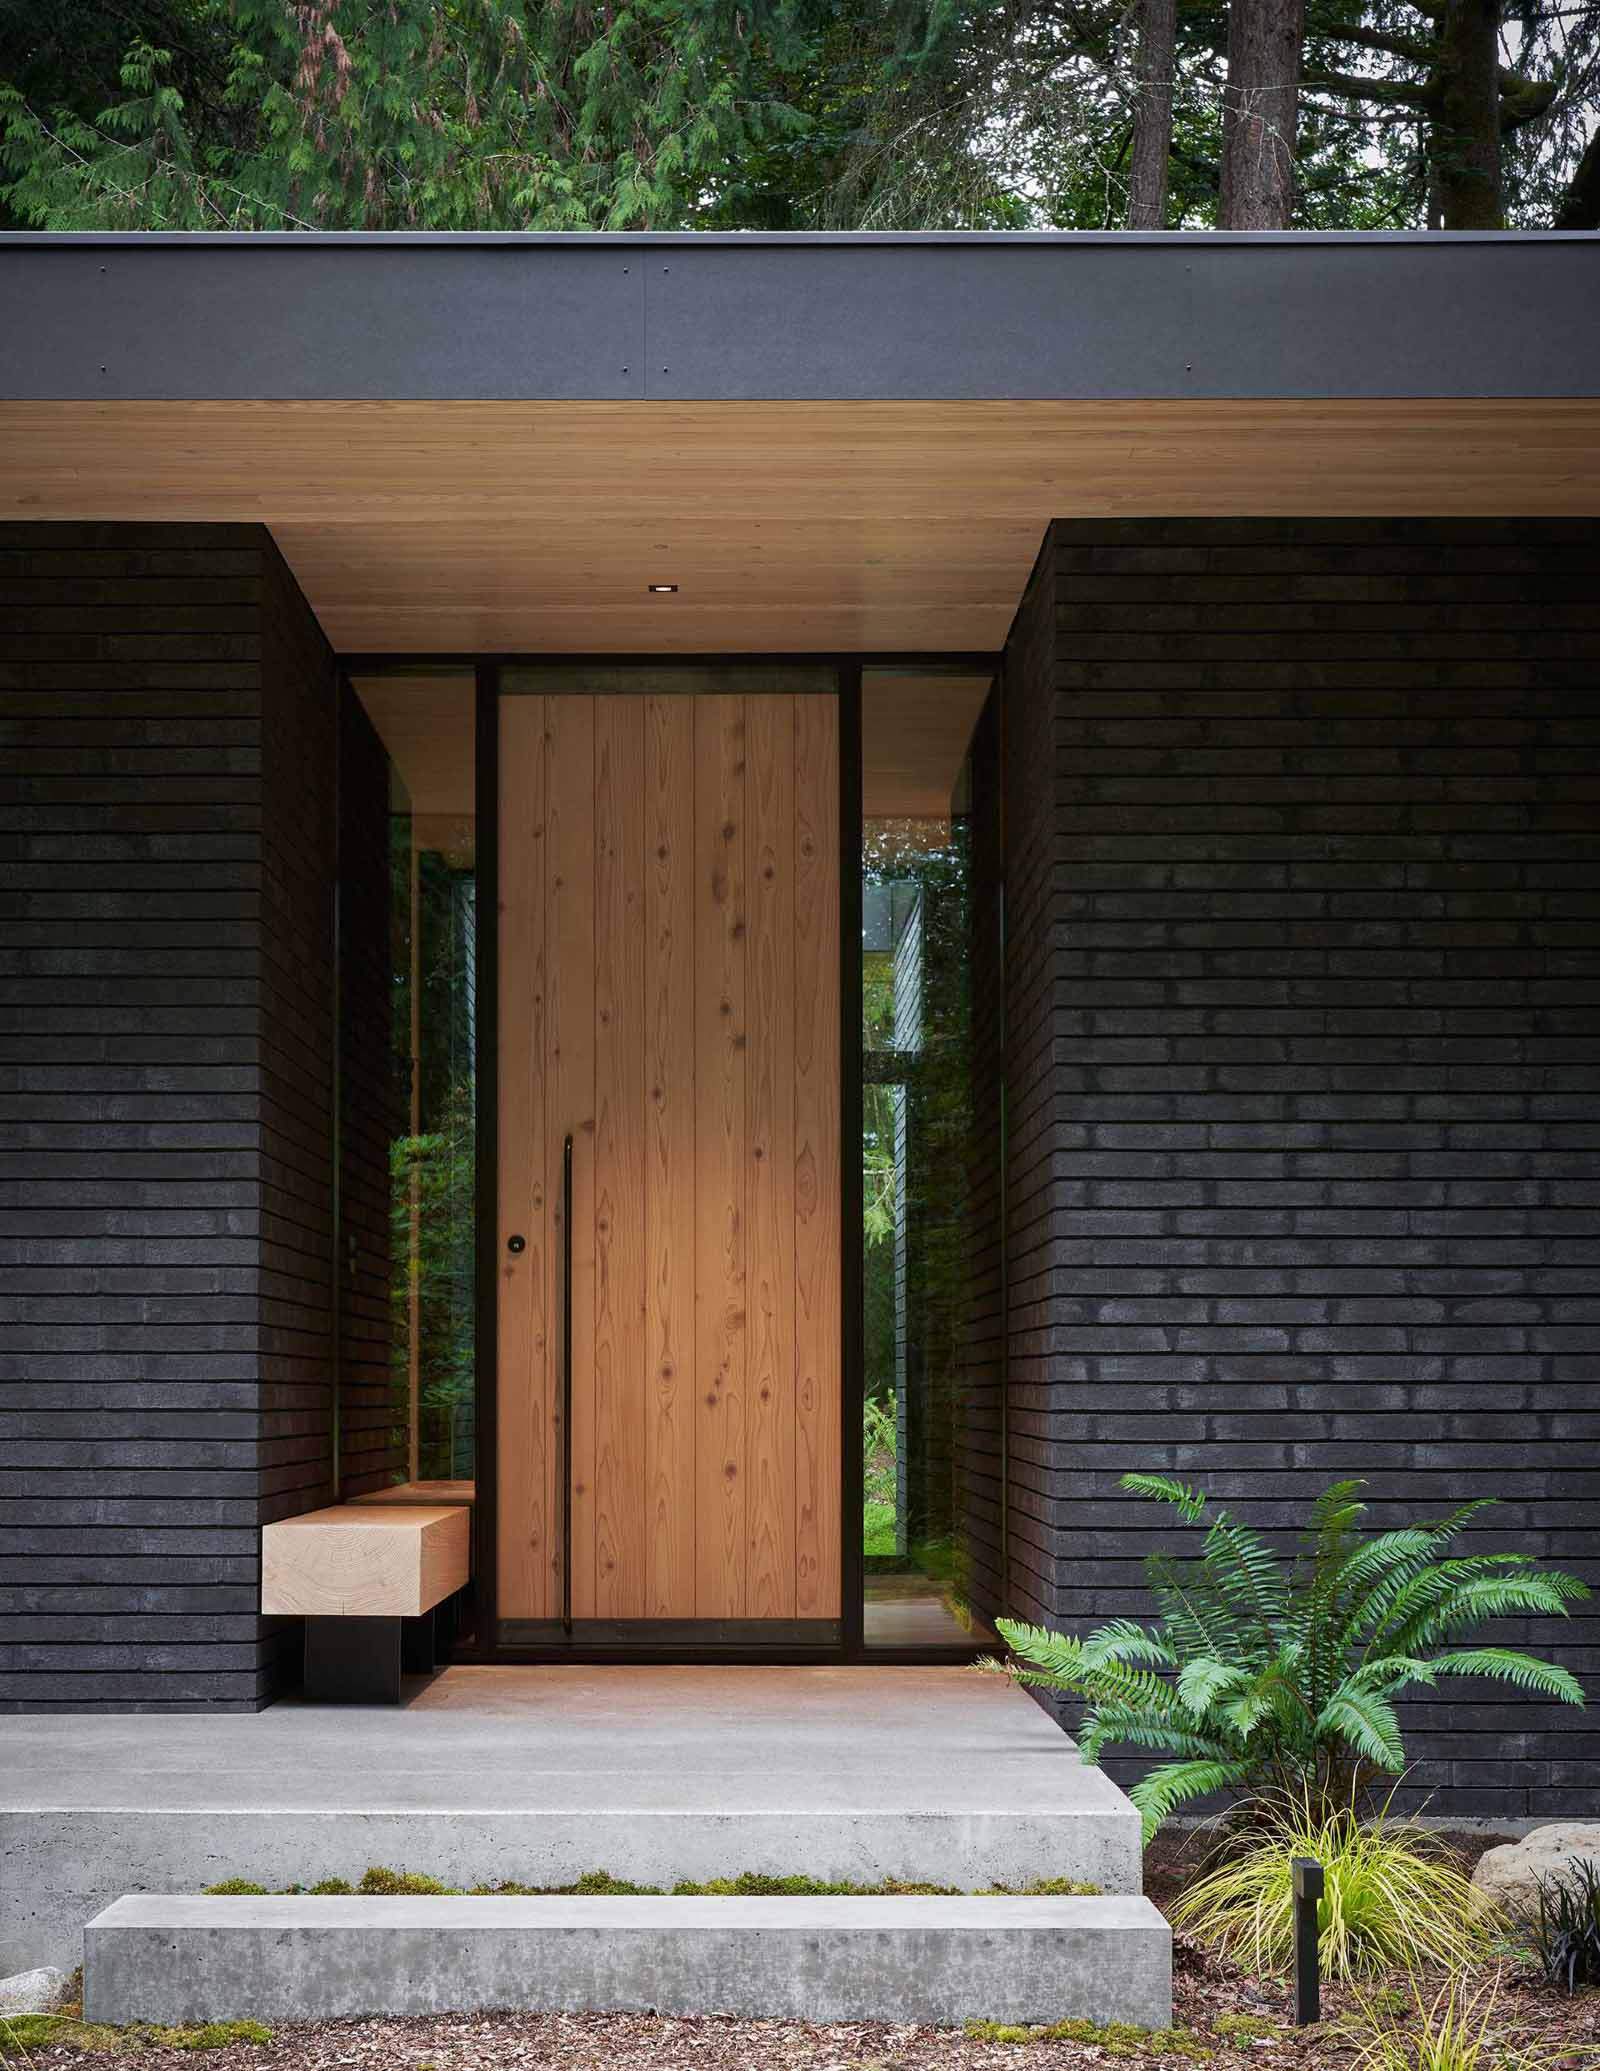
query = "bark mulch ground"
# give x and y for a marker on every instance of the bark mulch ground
(1221, 2017)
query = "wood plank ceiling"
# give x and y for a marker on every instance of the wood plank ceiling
(467, 526)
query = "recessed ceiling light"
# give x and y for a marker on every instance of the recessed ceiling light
(663, 589)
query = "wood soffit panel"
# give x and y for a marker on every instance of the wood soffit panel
(463, 527)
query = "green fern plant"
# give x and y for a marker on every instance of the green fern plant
(1271, 1678)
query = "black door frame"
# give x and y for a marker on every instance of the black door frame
(849, 1647)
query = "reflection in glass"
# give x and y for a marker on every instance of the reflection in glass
(426, 724)
(916, 1108)
(431, 1167)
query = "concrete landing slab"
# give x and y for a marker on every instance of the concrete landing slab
(537, 1775)
(935, 1960)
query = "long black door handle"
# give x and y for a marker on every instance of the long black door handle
(566, 1387)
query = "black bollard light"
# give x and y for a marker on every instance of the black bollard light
(1308, 1888)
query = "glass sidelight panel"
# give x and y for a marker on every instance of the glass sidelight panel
(916, 1118)
(422, 726)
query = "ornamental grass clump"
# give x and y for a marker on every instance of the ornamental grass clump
(1267, 1677)
(1391, 1901)
(1457, 2030)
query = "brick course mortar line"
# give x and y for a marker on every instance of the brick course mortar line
(1303, 968)
(166, 1073)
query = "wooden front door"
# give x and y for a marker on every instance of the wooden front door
(669, 973)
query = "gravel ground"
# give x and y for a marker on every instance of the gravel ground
(1541, 2030)
(1553, 2034)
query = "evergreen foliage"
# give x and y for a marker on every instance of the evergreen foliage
(431, 1290)
(772, 114)
(411, 114)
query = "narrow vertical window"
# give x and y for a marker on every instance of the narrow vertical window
(920, 1474)
(410, 1099)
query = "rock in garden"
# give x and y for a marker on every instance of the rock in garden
(33, 1991)
(1509, 1875)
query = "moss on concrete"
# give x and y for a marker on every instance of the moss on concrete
(386, 1883)
(381, 1882)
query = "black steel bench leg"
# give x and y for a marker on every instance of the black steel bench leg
(418, 1644)
(354, 1660)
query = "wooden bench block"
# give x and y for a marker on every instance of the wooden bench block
(365, 1561)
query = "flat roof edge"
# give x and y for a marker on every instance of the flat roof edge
(714, 317)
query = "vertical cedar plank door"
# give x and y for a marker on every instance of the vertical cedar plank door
(669, 997)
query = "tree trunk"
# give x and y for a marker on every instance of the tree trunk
(1152, 116)
(1464, 134)
(1580, 207)
(1260, 108)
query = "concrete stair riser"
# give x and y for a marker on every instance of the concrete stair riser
(63, 1867)
(185, 1851)
(938, 1960)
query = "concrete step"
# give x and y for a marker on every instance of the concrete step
(535, 1776)
(931, 1960)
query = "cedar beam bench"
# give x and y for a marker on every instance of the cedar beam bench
(368, 1578)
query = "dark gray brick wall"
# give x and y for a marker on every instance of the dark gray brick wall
(166, 1335)
(296, 1319)
(1303, 1075)
(373, 1110)
(982, 1435)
